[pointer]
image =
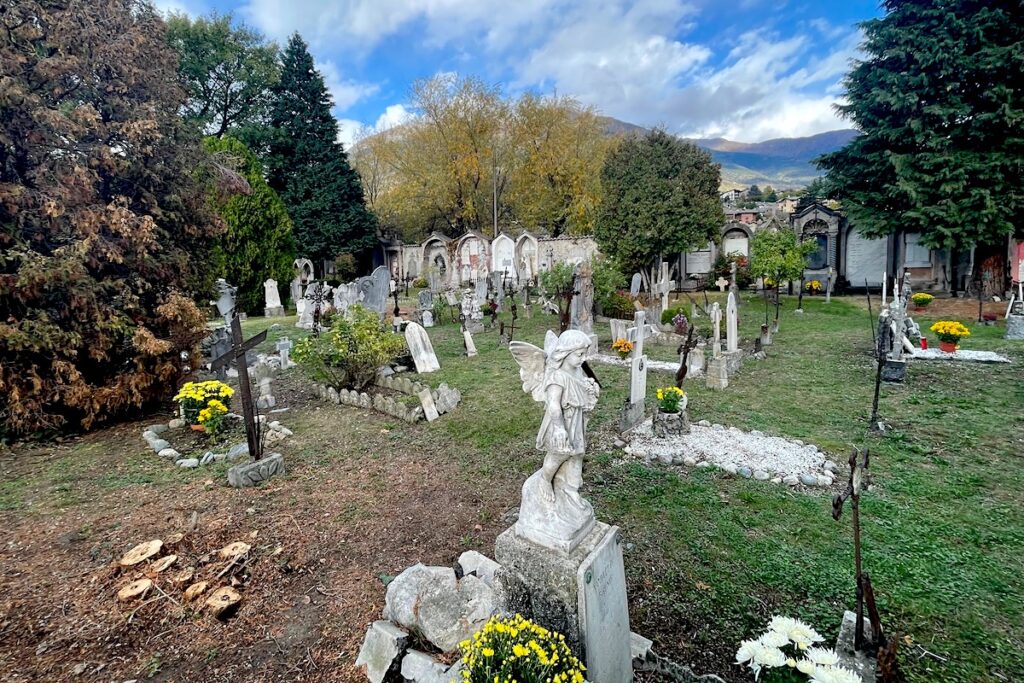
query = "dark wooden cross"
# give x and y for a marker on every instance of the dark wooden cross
(800, 299)
(397, 310)
(865, 593)
(882, 343)
(237, 355)
(317, 297)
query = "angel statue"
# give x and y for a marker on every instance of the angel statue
(552, 513)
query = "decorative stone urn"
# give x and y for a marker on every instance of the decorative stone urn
(672, 424)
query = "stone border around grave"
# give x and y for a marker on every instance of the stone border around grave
(643, 447)
(155, 438)
(445, 398)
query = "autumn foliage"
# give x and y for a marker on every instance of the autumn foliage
(103, 214)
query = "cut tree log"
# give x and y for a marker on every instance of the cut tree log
(184, 576)
(222, 600)
(135, 589)
(195, 590)
(142, 551)
(233, 550)
(163, 563)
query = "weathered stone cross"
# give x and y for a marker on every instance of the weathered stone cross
(237, 354)
(663, 286)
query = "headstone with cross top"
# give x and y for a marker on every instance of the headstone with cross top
(237, 355)
(317, 295)
(638, 365)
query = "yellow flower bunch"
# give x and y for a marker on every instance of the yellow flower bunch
(623, 347)
(197, 397)
(516, 650)
(813, 286)
(921, 298)
(950, 330)
(214, 410)
(669, 399)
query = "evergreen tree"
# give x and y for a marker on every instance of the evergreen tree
(661, 197)
(104, 219)
(308, 167)
(258, 242)
(943, 142)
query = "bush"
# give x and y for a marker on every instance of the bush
(516, 649)
(349, 353)
(608, 280)
(420, 283)
(620, 306)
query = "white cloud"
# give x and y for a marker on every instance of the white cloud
(350, 130)
(345, 92)
(394, 115)
(628, 58)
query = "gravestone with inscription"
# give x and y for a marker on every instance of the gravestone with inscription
(635, 283)
(420, 348)
(272, 308)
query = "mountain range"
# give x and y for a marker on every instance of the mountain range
(783, 163)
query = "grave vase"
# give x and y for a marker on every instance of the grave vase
(948, 347)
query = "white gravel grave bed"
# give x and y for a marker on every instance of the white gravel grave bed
(605, 359)
(748, 454)
(961, 354)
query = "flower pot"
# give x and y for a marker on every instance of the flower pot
(919, 309)
(671, 424)
(198, 428)
(948, 347)
(624, 355)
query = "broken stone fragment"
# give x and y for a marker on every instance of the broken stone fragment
(479, 565)
(382, 650)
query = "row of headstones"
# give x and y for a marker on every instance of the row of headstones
(433, 402)
(379, 402)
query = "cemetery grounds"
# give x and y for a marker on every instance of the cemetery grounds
(710, 557)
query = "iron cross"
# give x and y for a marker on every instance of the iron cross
(237, 355)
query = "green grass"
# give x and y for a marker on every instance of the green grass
(715, 555)
(710, 557)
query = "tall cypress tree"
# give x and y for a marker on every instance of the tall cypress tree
(308, 167)
(943, 146)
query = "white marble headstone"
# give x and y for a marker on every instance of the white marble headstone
(732, 336)
(421, 349)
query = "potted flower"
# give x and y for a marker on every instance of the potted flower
(670, 417)
(813, 287)
(681, 324)
(195, 397)
(517, 649)
(921, 300)
(623, 347)
(950, 333)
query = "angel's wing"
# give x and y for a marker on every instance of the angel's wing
(550, 340)
(531, 367)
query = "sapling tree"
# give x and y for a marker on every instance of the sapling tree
(778, 255)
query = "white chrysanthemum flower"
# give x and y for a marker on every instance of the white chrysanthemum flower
(822, 656)
(803, 633)
(806, 666)
(771, 657)
(774, 639)
(836, 674)
(746, 651)
(782, 624)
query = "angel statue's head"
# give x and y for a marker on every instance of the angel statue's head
(570, 349)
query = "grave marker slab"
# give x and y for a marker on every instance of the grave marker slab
(421, 349)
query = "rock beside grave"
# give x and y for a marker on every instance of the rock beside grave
(729, 467)
(419, 667)
(432, 602)
(257, 471)
(187, 463)
(207, 458)
(791, 480)
(761, 475)
(237, 451)
(382, 650)
(157, 429)
(168, 453)
(744, 472)
(176, 423)
(479, 565)
(808, 479)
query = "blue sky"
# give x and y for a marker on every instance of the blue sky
(747, 70)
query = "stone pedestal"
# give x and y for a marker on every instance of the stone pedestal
(632, 414)
(670, 424)
(581, 595)
(1015, 327)
(717, 374)
(274, 312)
(733, 361)
(894, 370)
(860, 663)
(695, 361)
(256, 471)
(766, 336)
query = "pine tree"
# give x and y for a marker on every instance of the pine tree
(308, 167)
(258, 243)
(943, 139)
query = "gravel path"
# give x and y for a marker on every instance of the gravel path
(962, 354)
(662, 365)
(748, 454)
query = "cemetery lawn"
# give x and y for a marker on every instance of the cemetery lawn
(709, 557)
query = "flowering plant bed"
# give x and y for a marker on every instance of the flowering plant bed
(813, 287)
(950, 333)
(787, 651)
(204, 403)
(922, 300)
(671, 399)
(516, 649)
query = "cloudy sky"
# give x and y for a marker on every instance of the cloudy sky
(747, 70)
